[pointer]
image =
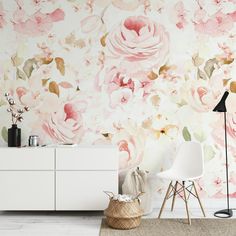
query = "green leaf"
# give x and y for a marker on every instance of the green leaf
(199, 136)
(5, 77)
(103, 40)
(44, 81)
(54, 88)
(29, 66)
(4, 134)
(210, 67)
(228, 61)
(16, 60)
(60, 65)
(201, 74)
(233, 87)
(197, 61)
(182, 103)
(209, 153)
(2, 103)
(186, 134)
(20, 74)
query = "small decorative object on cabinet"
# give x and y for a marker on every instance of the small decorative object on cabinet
(33, 140)
(14, 136)
(123, 211)
(14, 133)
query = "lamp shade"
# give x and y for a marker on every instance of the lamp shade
(220, 107)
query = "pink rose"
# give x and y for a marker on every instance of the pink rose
(203, 99)
(122, 86)
(215, 25)
(37, 24)
(140, 39)
(65, 125)
(131, 142)
(120, 97)
(218, 131)
(218, 126)
(213, 183)
(179, 15)
(203, 95)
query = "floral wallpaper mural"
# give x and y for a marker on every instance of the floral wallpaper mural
(141, 74)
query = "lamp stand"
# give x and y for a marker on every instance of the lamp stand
(226, 213)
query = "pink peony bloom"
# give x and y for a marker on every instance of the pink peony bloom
(218, 126)
(179, 15)
(140, 39)
(203, 95)
(131, 141)
(231, 125)
(120, 97)
(216, 25)
(39, 23)
(122, 86)
(203, 99)
(65, 125)
(218, 131)
(233, 15)
(116, 79)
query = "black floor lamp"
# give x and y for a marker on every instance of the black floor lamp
(220, 107)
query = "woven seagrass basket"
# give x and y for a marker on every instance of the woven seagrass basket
(123, 215)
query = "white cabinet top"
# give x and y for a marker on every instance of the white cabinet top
(64, 146)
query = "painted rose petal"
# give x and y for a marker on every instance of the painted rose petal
(126, 5)
(90, 23)
(38, 23)
(65, 84)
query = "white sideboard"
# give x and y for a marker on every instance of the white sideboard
(61, 178)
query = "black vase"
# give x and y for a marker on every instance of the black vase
(14, 136)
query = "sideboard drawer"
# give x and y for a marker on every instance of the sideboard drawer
(83, 190)
(27, 158)
(27, 190)
(92, 158)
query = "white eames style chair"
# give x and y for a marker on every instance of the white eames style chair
(188, 166)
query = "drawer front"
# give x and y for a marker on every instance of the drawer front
(86, 158)
(27, 190)
(27, 158)
(83, 190)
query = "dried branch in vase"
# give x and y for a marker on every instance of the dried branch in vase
(16, 113)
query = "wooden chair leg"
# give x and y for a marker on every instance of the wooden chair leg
(186, 203)
(164, 201)
(174, 195)
(203, 212)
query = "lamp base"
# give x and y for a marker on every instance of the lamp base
(226, 213)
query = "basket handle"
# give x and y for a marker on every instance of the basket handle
(138, 195)
(109, 194)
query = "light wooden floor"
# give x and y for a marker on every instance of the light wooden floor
(68, 223)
